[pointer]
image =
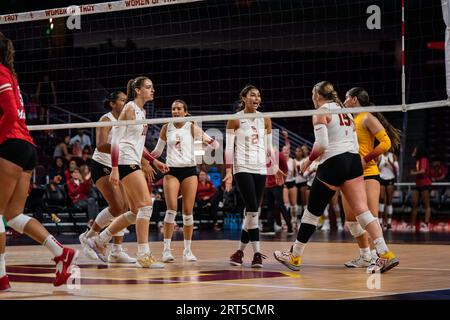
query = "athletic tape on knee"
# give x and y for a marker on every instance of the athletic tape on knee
(104, 218)
(130, 216)
(2, 225)
(19, 222)
(251, 220)
(355, 228)
(145, 213)
(365, 218)
(170, 216)
(381, 207)
(188, 219)
(310, 218)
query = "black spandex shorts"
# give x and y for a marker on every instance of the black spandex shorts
(385, 183)
(289, 184)
(340, 168)
(374, 177)
(423, 188)
(301, 184)
(126, 169)
(99, 170)
(182, 173)
(19, 152)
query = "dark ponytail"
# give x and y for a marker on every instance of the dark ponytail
(134, 84)
(111, 98)
(7, 53)
(243, 94)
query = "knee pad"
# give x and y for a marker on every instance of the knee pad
(2, 225)
(19, 222)
(104, 218)
(188, 219)
(390, 210)
(319, 197)
(381, 207)
(310, 218)
(130, 216)
(251, 220)
(355, 228)
(121, 233)
(144, 213)
(365, 218)
(170, 216)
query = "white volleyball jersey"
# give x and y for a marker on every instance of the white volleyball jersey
(341, 134)
(131, 146)
(299, 178)
(180, 146)
(291, 169)
(249, 147)
(385, 167)
(102, 157)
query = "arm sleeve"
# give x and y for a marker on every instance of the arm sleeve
(7, 106)
(382, 147)
(229, 149)
(321, 141)
(158, 150)
(117, 134)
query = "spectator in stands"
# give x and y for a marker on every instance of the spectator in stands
(79, 188)
(86, 155)
(82, 138)
(56, 174)
(438, 171)
(207, 197)
(62, 149)
(46, 95)
(422, 190)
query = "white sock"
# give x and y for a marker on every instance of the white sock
(105, 236)
(91, 233)
(325, 213)
(53, 245)
(298, 248)
(288, 206)
(187, 244)
(143, 248)
(373, 253)
(2, 265)
(365, 252)
(242, 246)
(381, 246)
(390, 210)
(167, 244)
(256, 245)
(116, 248)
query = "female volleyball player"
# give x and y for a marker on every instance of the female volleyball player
(127, 149)
(182, 176)
(101, 169)
(17, 160)
(290, 190)
(248, 142)
(388, 165)
(300, 180)
(339, 167)
(368, 128)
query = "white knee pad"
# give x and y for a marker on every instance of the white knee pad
(18, 223)
(104, 218)
(355, 228)
(251, 220)
(310, 218)
(188, 219)
(2, 225)
(390, 210)
(145, 213)
(130, 216)
(170, 216)
(365, 218)
(381, 207)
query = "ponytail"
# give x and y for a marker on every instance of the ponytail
(393, 133)
(134, 84)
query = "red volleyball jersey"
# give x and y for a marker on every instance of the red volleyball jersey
(12, 112)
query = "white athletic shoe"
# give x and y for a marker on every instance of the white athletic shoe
(326, 226)
(145, 260)
(98, 248)
(359, 262)
(340, 227)
(189, 256)
(87, 251)
(276, 227)
(167, 255)
(120, 256)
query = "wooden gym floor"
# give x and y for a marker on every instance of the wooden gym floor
(424, 269)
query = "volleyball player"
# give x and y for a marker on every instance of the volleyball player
(4, 281)
(368, 128)
(127, 150)
(182, 176)
(300, 180)
(101, 169)
(248, 142)
(388, 165)
(17, 160)
(290, 190)
(339, 167)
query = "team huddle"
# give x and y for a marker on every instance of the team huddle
(343, 158)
